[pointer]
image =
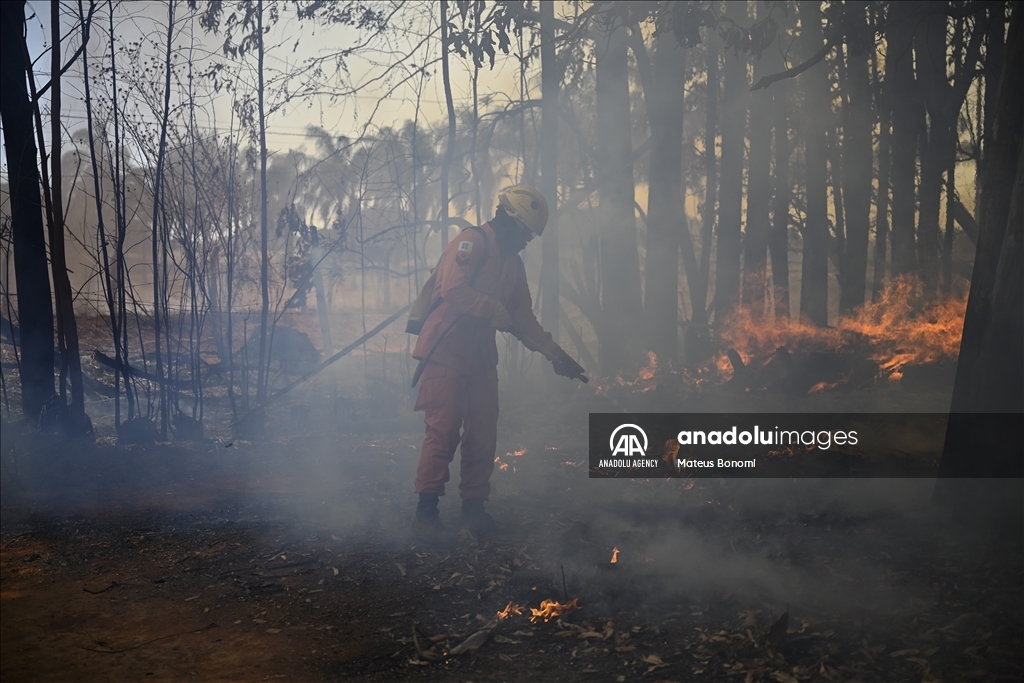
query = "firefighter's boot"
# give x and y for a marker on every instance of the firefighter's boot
(476, 519)
(427, 526)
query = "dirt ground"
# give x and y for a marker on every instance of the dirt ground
(290, 558)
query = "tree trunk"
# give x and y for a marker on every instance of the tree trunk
(620, 270)
(35, 314)
(551, 76)
(778, 240)
(666, 218)
(67, 327)
(882, 196)
(930, 50)
(730, 212)
(450, 146)
(857, 167)
(697, 340)
(907, 112)
(262, 370)
(992, 349)
(817, 110)
(759, 184)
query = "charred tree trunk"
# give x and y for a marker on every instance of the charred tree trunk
(814, 271)
(67, 327)
(857, 165)
(730, 212)
(759, 185)
(551, 76)
(264, 360)
(901, 94)
(620, 270)
(35, 313)
(666, 218)
(697, 341)
(992, 349)
(778, 239)
(882, 196)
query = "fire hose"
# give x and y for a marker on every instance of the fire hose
(514, 331)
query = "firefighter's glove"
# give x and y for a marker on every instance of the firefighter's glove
(500, 318)
(565, 366)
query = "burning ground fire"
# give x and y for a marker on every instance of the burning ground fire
(615, 556)
(510, 609)
(552, 609)
(645, 376)
(504, 466)
(892, 335)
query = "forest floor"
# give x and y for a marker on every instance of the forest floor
(290, 557)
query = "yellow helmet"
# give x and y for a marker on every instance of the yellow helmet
(526, 205)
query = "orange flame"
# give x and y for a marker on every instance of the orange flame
(510, 609)
(503, 466)
(615, 555)
(893, 334)
(645, 376)
(550, 609)
(518, 453)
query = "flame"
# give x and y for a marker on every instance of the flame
(894, 332)
(518, 453)
(510, 609)
(615, 555)
(645, 376)
(503, 466)
(550, 609)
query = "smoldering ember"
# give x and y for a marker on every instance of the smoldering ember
(268, 268)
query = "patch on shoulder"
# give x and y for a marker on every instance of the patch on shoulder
(466, 247)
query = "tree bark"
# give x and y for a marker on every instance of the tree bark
(907, 112)
(759, 184)
(778, 240)
(991, 363)
(67, 327)
(551, 76)
(882, 195)
(621, 300)
(730, 212)
(817, 110)
(262, 370)
(450, 146)
(666, 218)
(35, 314)
(857, 166)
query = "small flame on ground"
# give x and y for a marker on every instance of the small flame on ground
(510, 609)
(518, 453)
(645, 376)
(550, 609)
(615, 555)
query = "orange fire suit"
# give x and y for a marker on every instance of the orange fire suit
(459, 385)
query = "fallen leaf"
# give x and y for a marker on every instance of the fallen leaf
(273, 630)
(504, 657)
(783, 677)
(653, 659)
(903, 653)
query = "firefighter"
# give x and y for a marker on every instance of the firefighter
(480, 287)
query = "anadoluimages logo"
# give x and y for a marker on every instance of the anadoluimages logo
(628, 443)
